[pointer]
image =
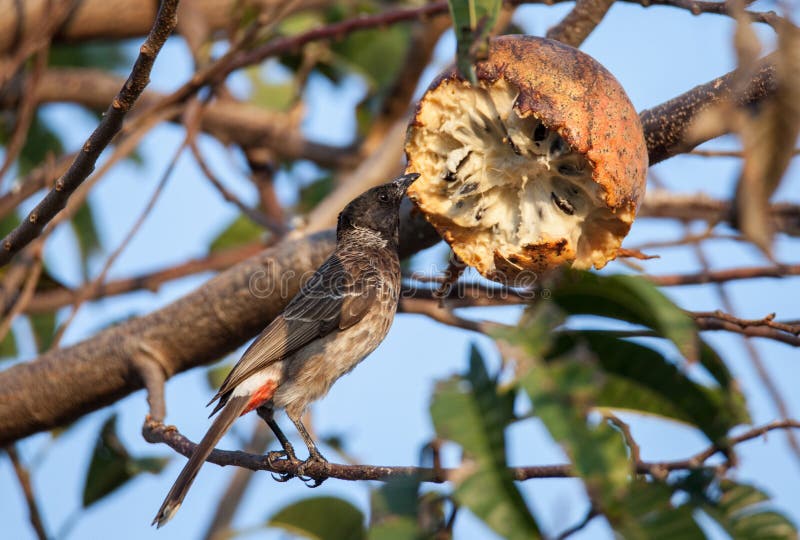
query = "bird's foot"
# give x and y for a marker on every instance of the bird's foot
(283, 456)
(314, 458)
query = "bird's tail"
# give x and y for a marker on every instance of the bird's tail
(232, 410)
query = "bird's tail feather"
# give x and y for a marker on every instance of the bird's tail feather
(232, 410)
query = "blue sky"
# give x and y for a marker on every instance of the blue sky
(382, 407)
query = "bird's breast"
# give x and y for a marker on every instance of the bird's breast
(309, 373)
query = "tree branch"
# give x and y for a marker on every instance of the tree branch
(109, 126)
(155, 432)
(52, 299)
(580, 22)
(24, 478)
(732, 274)
(219, 316)
(785, 217)
(228, 120)
(666, 126)
(197, 329)
(120, 19)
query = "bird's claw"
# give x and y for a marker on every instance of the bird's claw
(315, 458)
(283, 455)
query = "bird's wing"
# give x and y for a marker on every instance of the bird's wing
(333, 299)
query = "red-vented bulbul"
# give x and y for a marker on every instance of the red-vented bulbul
(339, 316)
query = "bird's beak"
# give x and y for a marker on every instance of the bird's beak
(405, 181)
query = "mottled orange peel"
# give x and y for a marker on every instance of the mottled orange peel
(541, 164)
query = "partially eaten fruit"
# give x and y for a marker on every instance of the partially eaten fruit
(543, 163)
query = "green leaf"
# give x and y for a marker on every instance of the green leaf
(8, 222)
(298, 23)
(8, 347)
(394, 510)
(641, 379)
(470, 411)
(716, 367)
(43, 326)
(270, 95)
(85, 229)
(628, 298)
(742, 510)
(378, 55)
(41, 142)
(216, 374)
(108, 56)
(473, 21)
(395, 528)
(646, 512)
(397, 497)
(239, 232)
(312, 194)
(112, 466)
(321, 518)
(563, 392)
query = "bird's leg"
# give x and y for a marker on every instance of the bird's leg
(267, 414)
(314, 456)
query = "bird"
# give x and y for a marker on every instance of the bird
(339, 316)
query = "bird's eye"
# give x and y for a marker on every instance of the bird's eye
(383, 197)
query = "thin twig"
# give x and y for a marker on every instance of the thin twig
(109, 126)
(34, 272)
(49, 300)
(435, 311)
(257, 217)
(636, 454)
(24, 479)
(25, 113)
(232, 497)
(732, 274)
(155, 432)
(590, 515)
(748, 331)
(96, 282)
(724, 153)
(784, 216)
(36, 41)
(769, 321)
(41, 177)
(778, 331)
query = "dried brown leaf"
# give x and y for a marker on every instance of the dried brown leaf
(768, 139)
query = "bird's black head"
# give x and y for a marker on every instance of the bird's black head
(376, 210)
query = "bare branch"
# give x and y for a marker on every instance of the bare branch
(725, 153)
(277, 229)
(52, 299)
(666, 125)
(231, 498)
(720, 276)
(777, 331)
(579, 23)
(32, 268)
(432, 309)
(24, 479)
(228, 120)
(590, 515)
(768, 321)
(87, 291)
(109, 126)
(155, 432)
(196, 329)
(120, 19)
(41, 177)
(785, 217)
